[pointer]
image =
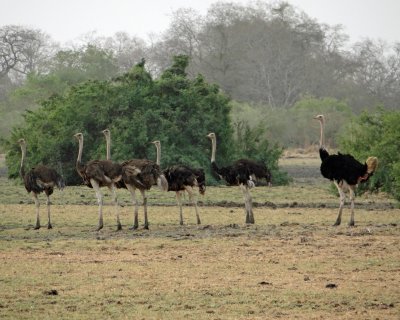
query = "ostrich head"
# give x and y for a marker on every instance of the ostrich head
(211, 135)
(22, 142)
(78, 136)
(106, 132)
(320, 117)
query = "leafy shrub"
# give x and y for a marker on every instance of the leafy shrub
(377, 134)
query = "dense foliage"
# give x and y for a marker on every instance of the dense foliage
(295, 127)
(377, 134)
(137, 109)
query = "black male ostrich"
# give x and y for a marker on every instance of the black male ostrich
(345, 172)
(183, 178)
(139, 174)
(97, 174)
(39, 179)
(242, 173)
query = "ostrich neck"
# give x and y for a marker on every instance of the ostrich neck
(158, 159)
(23, 152)
(321, 138)
(79, 159)
(108, 147)
(213, 149)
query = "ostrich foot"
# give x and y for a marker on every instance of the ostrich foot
(134, 227)
(99, 227)
(119, 227)
(351, 224)
(198, 221)
(337, 223)
(49, 226)
(146, 227)
(250, 218)
(181, 223)
(36, 227)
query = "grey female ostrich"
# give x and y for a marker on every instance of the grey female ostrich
(242, 173)
(139, 174)
(183, 178)
(97, 174)
(345, 172)
(37, 180)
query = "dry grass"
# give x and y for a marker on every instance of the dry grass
(278, 268)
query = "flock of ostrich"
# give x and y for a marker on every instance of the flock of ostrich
(142, 174)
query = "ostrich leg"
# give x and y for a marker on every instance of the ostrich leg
(146, 221)
(37, 205)
(99, 196)
(342, 200)
(248, 204)
(352, 197)
(179, 200)
(49, 226)
(193, 200)
(134, 201)
(114, 197)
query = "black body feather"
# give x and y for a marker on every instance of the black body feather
(241, 171)
(179, 176)
(343, 167)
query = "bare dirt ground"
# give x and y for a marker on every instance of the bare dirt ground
(291, 264)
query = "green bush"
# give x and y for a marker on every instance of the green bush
(377, 134)
(174, 109)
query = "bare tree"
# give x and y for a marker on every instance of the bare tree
(23, 50)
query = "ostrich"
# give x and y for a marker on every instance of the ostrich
(139, 174)
(97, 174)
(345, 172)
(181, 178)
(142, 174)
(37, 180)
(243, 173)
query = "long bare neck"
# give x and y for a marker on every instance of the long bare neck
(79, 159)
(23, 155)
(321, 138)
(158, 148)
(213, 148)
(108, 147)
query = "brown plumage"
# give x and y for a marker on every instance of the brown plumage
(39, 179)
(99, 173)
(139, 174)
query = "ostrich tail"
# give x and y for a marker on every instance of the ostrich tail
(323, 154)
(162, 183)
(372, 164)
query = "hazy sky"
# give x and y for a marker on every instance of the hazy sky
(66, 20)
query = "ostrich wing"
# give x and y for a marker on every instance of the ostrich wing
(343, 167)
(103, 171)
(142, 173)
